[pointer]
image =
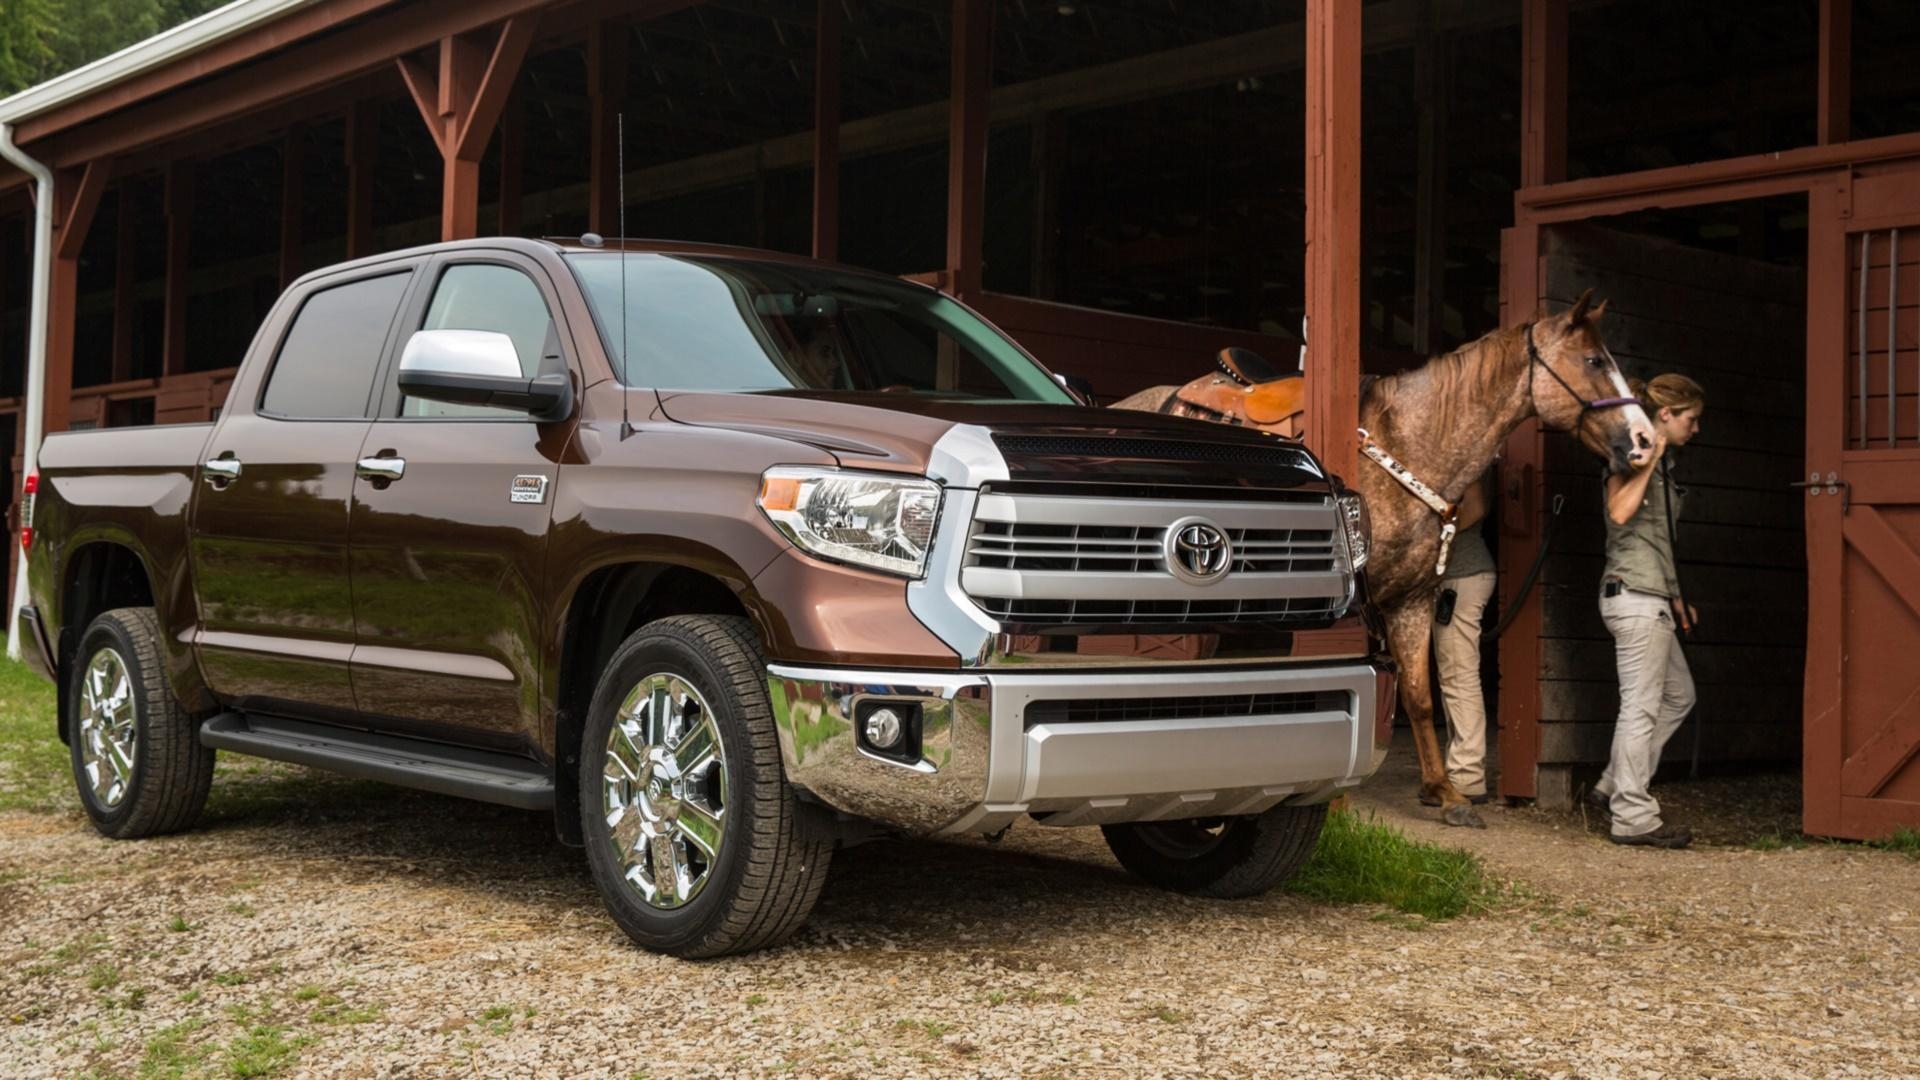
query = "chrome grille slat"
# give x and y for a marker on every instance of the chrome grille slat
(1061, 562)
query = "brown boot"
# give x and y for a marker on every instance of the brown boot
(1673, 837)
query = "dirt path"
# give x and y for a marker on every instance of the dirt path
(326, 928)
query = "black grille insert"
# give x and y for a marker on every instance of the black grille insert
(1107, 446)
(1131, 710)
(1048, 613)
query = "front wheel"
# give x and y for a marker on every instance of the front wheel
(696, 842)
(1227, 858)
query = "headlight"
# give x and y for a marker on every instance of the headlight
(868, 519)
(1359, 528)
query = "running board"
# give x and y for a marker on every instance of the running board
(394, 759)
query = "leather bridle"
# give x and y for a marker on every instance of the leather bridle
(1534, 359)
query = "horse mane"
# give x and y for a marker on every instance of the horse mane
(1442, 386)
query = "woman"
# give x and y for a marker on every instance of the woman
(1644, 609)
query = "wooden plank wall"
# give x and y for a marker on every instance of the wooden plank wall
(1738, 326)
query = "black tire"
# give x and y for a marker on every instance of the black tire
(166, 786)
(1225, 858)
(769, 866)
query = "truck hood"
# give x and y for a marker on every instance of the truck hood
(897, 432)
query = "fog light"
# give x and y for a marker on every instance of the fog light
(884, 729)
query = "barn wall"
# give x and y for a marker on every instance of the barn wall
(1738, 326)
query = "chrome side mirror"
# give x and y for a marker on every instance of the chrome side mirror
(479, 367)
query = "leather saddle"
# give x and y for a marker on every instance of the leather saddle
(1245, 389)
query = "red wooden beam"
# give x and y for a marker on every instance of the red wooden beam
(1333, 231)
(460, 105)
(179, 215)
(826, 132)
(1836, 71)
(80, 198)
(967, 142)
(607, 46)
(1543, 93)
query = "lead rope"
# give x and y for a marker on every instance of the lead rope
(1449, 513)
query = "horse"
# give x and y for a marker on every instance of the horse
(1441, 425)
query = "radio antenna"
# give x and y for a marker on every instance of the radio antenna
(620, 165)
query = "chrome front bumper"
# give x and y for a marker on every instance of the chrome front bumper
(983, 761)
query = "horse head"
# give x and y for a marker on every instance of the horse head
(1577, 386)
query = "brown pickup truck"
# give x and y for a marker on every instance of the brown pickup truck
(723, 558)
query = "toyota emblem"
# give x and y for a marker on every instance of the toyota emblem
(1198, 551)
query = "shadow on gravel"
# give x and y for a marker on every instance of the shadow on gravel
(891, 891)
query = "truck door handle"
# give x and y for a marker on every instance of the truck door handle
(379, 469)
(221, 471)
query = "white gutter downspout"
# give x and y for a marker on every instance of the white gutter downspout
(36, 349)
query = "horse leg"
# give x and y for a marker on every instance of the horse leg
(1409, 630)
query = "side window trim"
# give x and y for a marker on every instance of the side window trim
(413, 312)
(387, 346)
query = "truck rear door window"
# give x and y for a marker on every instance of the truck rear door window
(329, 357)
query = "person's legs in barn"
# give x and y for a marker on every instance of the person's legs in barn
(1644, 647)
(1456, 648)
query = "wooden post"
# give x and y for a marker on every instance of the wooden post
(292, 198)
(1836, 71)
(363, 147)
(513, 142)
(123, 256)
(607, 50)
(972, 85)
(1333, 231)
(1430, 77)
(1523, 511)
(77, 193)
(826, 132)
(461, 104)
(1543, 93)
(179, 215)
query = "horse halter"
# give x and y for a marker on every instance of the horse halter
(1534, 359)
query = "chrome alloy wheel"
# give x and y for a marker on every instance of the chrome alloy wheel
(109, 728)
(664, 790)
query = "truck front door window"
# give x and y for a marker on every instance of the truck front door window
(481, 296)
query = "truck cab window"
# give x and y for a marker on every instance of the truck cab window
(497, 298)
(327, 361)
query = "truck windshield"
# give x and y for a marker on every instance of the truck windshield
(702, 323)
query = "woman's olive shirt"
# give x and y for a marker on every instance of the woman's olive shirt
(1640, 553)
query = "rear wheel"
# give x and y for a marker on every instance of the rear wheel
(696, 842)
(1225, 857)
(137, 758)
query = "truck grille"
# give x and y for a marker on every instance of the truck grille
(1057, 562)
(1138, 549)
(1130, 710)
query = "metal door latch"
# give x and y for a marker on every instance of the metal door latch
(1834, 485)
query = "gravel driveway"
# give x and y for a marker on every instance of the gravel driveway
(324, 927)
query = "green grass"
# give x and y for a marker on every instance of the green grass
(169, 1056)
(1364, 862)
(35, 773)
(1904, 840)
(263, 1051)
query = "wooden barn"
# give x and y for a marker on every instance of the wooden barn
(1127, 186)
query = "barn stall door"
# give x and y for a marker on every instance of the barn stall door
(1738, 325)
(1863, 517)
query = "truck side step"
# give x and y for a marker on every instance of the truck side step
(394, 759)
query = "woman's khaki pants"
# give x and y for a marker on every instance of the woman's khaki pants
(1456, 647)
(1656, 693)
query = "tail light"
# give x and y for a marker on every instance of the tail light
(29, 490)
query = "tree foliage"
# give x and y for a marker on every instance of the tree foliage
(40, 39)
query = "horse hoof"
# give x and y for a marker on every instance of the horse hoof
(1462, 815)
